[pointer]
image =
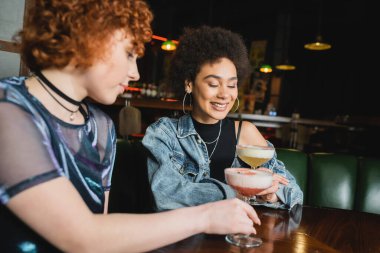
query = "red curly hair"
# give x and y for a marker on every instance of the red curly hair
(61, 32)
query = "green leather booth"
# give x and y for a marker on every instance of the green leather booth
(368, 195)
(335, 180)
(296, 162)
(332, 180)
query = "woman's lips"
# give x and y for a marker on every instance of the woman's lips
(219, 106)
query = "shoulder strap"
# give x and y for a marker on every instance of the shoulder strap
(239, 129)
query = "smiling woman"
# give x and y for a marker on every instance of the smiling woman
(189, 154)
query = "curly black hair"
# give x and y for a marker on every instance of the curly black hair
(206, 45)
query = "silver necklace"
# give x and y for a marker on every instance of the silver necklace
(217, 137)
(216, 140)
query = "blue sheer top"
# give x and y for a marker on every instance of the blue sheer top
(37, 147)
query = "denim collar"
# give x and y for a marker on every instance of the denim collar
(185, 126)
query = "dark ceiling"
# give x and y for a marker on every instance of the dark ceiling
(326, 83)
(257, 19)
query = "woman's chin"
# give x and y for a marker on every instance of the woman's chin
(105, 100)
(218, 115)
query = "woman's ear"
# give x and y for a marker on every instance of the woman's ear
(188, 86)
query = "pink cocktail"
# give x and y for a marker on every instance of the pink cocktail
(247, 183)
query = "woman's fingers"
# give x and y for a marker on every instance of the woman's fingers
(272, 189)
(251, 213)
(283, 180)
(230, 216)
(271, 197)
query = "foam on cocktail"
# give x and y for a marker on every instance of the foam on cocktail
(247, 178)
(253, 152)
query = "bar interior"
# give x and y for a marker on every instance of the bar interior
(311, 93)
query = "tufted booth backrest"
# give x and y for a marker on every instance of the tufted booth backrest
(368, 197)
(296, 162)
(332, 180)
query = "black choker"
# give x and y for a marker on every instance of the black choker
(44, 81)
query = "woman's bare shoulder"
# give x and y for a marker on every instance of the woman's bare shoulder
(250, 134)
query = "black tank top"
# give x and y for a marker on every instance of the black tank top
(224, 153)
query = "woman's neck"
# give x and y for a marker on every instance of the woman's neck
(67, 81)
(203, 123)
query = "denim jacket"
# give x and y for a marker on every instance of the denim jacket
(179, 171)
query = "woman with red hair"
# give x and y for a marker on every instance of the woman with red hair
(57, 149)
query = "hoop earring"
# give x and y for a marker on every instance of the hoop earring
(238, 104)
(183, 102)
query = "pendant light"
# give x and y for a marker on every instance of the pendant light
(168, 45)
(265, 68)
(285, 63)
(318, 44)
(286, 66)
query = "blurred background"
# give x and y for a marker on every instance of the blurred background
(318, 91)
(325, 83)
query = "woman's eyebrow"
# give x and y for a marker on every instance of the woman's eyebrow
(219, 77)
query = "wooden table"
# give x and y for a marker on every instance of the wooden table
(304, 229)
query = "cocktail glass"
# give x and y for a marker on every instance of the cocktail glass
(254, 155)
(247, 183)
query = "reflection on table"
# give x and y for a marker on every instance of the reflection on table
(303, 229)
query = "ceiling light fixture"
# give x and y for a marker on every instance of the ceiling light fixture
(168, 45)
(266, 68)
(319, 44)
(286, 66)
(286, 25)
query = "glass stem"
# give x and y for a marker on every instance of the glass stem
(246, 199)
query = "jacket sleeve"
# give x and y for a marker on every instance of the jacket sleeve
(172, 184)
(289, 195)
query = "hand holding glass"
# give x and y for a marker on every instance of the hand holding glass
(247, 183)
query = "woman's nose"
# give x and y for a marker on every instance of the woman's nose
(134, 74)
(222, 92)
